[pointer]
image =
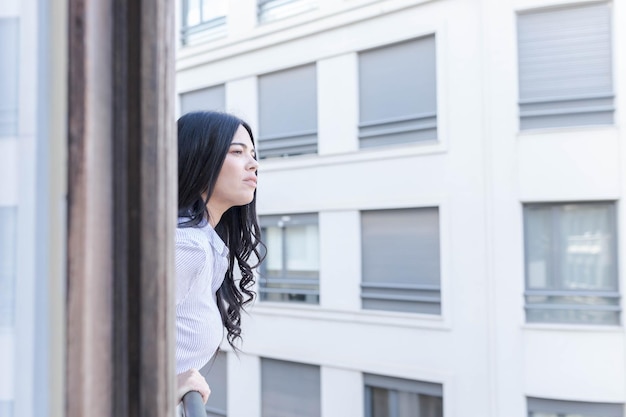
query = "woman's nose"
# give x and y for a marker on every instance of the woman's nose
(254, 164)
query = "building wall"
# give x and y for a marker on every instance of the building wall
(16, 158)
(32, 186)
(479, 174)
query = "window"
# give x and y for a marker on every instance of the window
(203, 20)
(211, 98)
(396, 397)
(288, 112)
(291, 268)
(400, 260)
(398, 93)
(8, 236)
(9, 64)
(571, 263)
(215, 373)
(289, 389)
(565, 75)
(268, 10)
(540, 407)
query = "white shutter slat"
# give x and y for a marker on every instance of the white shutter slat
(565, 53)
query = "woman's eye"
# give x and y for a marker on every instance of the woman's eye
(237, 151)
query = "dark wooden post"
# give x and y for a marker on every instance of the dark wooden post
(121, 208)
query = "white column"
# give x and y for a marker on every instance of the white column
(244, 386)
(340, 260)
(337, 104)
(242, 100)
(342, 392)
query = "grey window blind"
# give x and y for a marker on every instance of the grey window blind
(9, 69)
(571, 263)
(268, 10)
(211, 98)
(397, 397)
(288, 112)
(398, 93)
(401, 260)
(565, 67)
(8, 258)
(538, 407)
(216, 372)
(291, 269)
(289, 389)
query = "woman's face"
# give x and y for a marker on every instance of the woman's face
(236, 181)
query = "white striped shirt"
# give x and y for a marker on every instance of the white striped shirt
(201, 262)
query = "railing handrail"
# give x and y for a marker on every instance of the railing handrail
(193, 406)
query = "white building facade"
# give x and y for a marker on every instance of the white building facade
(32, 198)
(440, 190)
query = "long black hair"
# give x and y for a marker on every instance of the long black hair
(204, 139)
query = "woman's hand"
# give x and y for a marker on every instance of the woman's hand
(192, 380)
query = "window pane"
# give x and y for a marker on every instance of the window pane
(194, 16)
(269, 10)
(539, 247)
(380, 402)
(274, 257)
(302, 248)
(204, 20)
(291, 269)
(586, 253)
(430, 406)
(408, 404)
(571, 266)
(289, 389)
(214, 8)
(399, 397)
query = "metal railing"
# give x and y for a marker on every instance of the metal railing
(193, 406)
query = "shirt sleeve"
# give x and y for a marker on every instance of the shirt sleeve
(190, 260)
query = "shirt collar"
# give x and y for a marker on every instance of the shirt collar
(214, 239)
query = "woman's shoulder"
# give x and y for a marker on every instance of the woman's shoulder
(191, 237)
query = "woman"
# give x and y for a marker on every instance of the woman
(217, 227)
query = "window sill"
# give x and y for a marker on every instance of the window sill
(372, 317)
(360, 155)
